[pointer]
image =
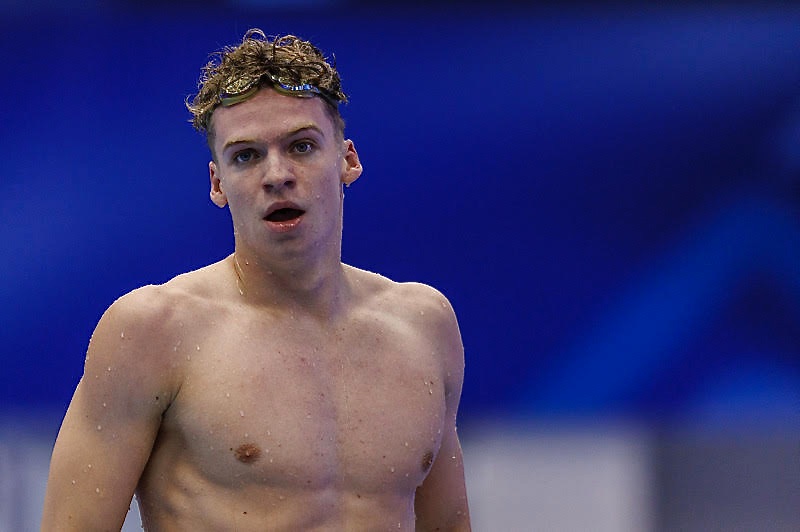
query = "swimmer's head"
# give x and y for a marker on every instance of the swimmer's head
(288, 64)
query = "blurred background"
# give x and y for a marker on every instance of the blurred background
(608, 195)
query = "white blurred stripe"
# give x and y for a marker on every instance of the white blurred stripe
(559, 479)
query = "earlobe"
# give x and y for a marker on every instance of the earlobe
(351, 164)
(217, 195)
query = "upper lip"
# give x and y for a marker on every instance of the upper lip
(282, 205)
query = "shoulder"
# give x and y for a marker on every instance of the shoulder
(134, 329)
(164, 305)
(143, 325)
(414, 297)
(422, 313)
(421, 307)
(149, 308)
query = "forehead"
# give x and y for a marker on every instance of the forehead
(269, 114)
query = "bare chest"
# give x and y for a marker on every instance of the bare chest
(359, 408)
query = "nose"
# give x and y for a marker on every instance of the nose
(278, 174)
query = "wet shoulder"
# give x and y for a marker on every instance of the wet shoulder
(426, 313)
(142, 313)
(159, 307)
(413, 301)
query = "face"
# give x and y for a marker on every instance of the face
(280, 165)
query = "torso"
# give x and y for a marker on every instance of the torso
(284, 422)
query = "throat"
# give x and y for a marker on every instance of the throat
(320, 291)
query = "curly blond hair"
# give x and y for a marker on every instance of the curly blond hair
(257, 59)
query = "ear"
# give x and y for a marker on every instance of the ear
(351, 165)
(217, 195)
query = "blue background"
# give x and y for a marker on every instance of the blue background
(609, 196)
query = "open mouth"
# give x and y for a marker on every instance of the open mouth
(285, 215)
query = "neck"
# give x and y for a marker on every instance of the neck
(319, 289)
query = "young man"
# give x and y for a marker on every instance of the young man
(278, 389)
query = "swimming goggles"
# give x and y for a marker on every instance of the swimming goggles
(240, 89)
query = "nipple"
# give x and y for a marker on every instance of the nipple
(247, 453)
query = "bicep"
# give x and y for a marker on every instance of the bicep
(441, 500)
(95, 466)
(109, 428)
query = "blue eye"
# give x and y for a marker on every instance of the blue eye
(303, 147)
(244, 156)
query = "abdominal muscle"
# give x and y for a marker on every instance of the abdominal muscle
(256, 508)
(257, 488)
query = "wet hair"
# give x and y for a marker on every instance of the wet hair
(257, 58)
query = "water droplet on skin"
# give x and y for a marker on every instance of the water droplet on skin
(421, 312)
(104, 405)
(74, 482)
(227, 394)
(406, 444)
(391, 469)
(122, 334)
(99, 427)
(241, 413)
(198, 348)
(109, 368)
(97, 490)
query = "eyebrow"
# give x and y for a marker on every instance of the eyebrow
(288, 134)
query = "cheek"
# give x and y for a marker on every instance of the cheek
(239, 204)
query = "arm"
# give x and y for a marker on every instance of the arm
(110, 426)
(441, 500)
